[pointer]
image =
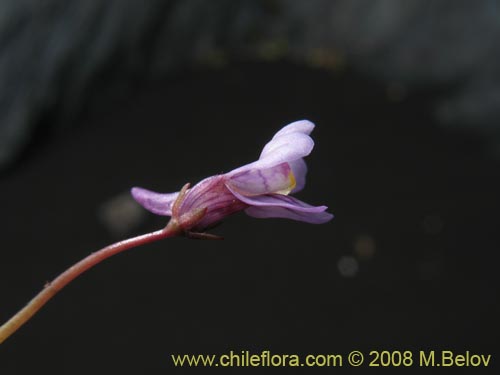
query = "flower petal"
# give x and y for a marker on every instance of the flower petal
(289, 144)
(157, 203)
(277, 179)
(301, 126)
(277, 205)
(295, 134)
(286, 148)
(277, 200)
(261, 212)
(299, 170)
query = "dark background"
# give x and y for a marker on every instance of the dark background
(410, 261)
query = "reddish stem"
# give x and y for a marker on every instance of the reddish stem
(71, 273)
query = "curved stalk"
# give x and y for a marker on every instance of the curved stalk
(52, 288)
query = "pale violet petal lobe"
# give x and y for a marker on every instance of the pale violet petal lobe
(292, 142)
(301, 126)
(157, 203)
(277, 200)
(286, 213)
(288, 148)
(290, 134)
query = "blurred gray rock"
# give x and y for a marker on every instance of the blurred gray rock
(54, 52)
(417, 43)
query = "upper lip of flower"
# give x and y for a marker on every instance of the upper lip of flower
(261, 187)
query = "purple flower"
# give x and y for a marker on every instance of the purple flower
(260, 188)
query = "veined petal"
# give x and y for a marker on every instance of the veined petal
(212, 194)
(278, 200)
(157, 203)
(282, 206)
(262, 212)
(278, 179)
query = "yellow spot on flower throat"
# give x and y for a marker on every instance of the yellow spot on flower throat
(291, 184)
